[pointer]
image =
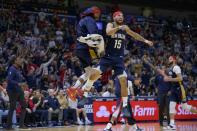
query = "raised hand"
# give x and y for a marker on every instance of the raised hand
(150, 43)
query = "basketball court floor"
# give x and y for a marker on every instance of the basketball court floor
(181, 126)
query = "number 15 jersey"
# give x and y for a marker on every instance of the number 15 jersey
(116, 43)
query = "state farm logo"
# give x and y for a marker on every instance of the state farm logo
(103, 112)
(181, 111)
(144, 111)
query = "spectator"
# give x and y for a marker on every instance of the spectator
(108, 93)
(53, 107)
(4, 109)
(30, 109)
(66, 110)
(73, 104)
(40, 108)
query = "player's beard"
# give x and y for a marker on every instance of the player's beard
(119, 22)
(170, 63)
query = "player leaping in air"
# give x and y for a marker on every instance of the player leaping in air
(90, 45)
(114, 56)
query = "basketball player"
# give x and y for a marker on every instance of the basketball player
(178, 94)
(86, 31)
(114, 117)
(114, 56)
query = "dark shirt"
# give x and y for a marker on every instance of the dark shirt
(87, 25)
(163, 86)
(14, 78)
(53, 103)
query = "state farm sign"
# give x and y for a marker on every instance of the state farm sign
(145, 110)
(183, 114)
(142, 110)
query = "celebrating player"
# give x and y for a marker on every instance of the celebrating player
(178, 94)
(88, 39)
(131, 120)
(114, 56)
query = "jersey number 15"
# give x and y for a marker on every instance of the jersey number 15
(118, 44)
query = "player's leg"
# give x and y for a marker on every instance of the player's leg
(85, 60)
(131, 120)
(172, 109)
(115, 115)
(95, 73)
(161, 108)
(119, 71)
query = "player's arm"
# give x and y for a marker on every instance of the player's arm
(179, 77)
(136, 36)
(152, 66)
(110, 30)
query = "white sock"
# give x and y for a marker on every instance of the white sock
(77, 84)
(115, 114)
(124, 101)
(85, 94)
(78, 119)
(86, 119)
(109, 125)
(134, 126)
(88, 85)
(172, 121)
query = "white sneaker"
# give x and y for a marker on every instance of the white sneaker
(108, 127)
(166, 128)
(87, 122)
(172, 127)
(80, 123)
(123, 121)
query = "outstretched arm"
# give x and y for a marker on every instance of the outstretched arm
(153, 67)
(136, 36)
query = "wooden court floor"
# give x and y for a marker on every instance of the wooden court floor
(181, 126)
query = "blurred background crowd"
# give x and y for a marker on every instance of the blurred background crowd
(47, 42)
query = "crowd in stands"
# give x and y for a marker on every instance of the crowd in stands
(47, 44)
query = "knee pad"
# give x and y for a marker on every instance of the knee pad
(97, 69)
(172, 107)
(186, 107)
(96, 72)
(87, 70)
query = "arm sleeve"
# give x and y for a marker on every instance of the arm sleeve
(177, 69)
(10, 77)
(49, 62)
(156, 80)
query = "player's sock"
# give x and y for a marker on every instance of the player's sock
(124, 101)
(78, 119)
(85, 94)
(135, 126)
(86, 118)
(88, 85)
(172, 121)
(78, 82)
(109, 125)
